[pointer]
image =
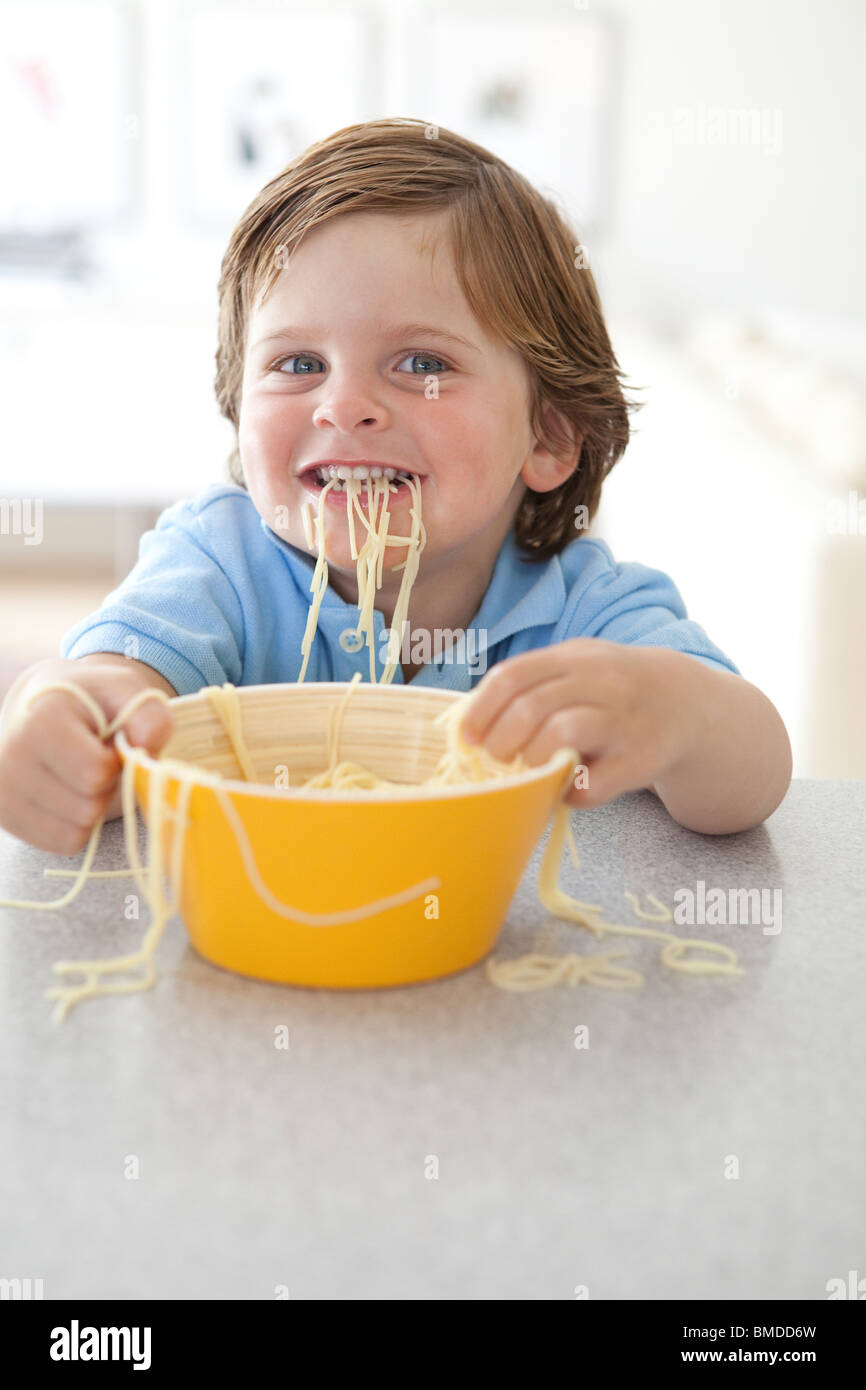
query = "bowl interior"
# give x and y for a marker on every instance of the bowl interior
(388, 729)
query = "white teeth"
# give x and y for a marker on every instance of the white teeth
(340, 474)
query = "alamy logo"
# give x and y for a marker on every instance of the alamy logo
(855, 1287)
(420, 646)
(723, 125)
(22, 1288)
(76, 1343)
(713, 907)
(22, 516)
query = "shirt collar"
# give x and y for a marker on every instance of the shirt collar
(520, 595)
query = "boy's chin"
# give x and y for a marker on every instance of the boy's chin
(338, 553)
(340, 560)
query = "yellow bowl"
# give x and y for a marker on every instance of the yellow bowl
(335, 852)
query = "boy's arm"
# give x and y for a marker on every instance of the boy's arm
(178, 611)
(736, 765)
(64, 672)
(148, 675)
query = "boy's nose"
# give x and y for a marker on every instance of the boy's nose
(348, 409)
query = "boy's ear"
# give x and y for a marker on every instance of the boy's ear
(546, 468)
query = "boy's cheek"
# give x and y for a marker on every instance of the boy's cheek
(263, 410)
(265, 443)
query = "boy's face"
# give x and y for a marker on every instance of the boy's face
(339, 368)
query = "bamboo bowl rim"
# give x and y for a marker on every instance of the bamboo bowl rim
(561, 759)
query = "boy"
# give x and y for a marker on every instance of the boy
(376, 248)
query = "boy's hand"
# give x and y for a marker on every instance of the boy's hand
(629, 711)
(57, 776)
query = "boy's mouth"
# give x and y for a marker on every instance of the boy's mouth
(316, 477)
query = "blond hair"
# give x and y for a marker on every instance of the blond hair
(518, 262)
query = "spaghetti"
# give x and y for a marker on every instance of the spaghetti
(538, 971)
(370, 560)
(461, 763)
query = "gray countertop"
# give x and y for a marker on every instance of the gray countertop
(558, 1166)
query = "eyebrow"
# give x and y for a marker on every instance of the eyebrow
(399, 330)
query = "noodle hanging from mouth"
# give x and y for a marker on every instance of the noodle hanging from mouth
(370, 561)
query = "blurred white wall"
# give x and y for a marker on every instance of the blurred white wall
(736, 292)
(731, 225)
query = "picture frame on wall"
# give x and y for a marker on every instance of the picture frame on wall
(259, 79)
(538, 88)
(70, 116)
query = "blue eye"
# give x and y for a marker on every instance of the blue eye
(298, 357)
(425, 357)
(434, 364)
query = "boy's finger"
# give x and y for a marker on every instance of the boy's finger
(70, 749)
(517, 722)
(149, 726)
(514, 677)
(586, 730)
(45, 825)
(44, 831)
(45, 791)
(496, 690)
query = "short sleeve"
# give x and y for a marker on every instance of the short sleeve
(634, 604)
(177, 610)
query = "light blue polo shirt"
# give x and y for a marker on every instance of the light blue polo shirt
(217, 596)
